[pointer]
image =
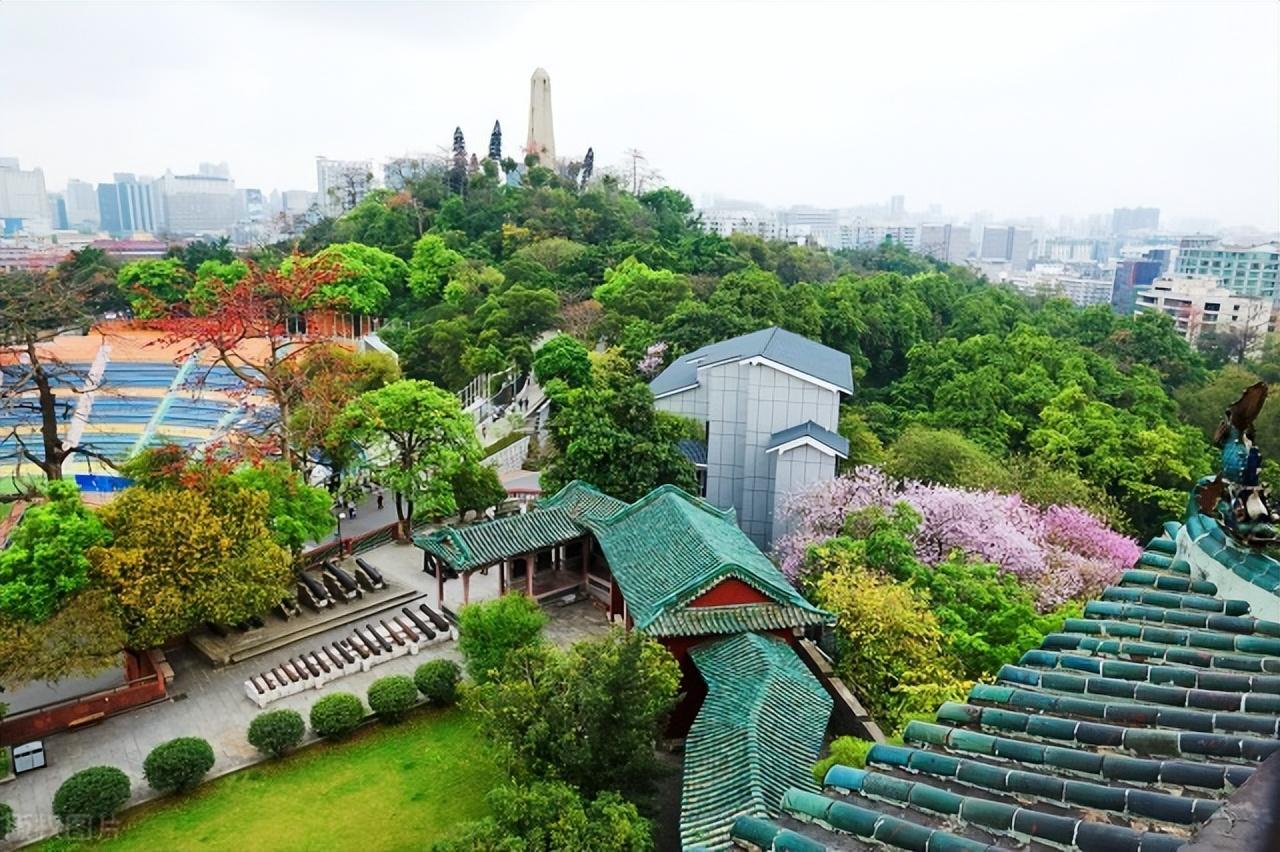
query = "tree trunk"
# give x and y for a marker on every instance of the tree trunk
(54, 453)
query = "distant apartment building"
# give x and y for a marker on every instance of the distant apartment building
(819, 224)
(948, 243)
(342, 184)
(127, 205)
(24, 203)
(769, 404)
(1132, 275)
(759, 223)
(859, 235)
(1126, 220)
(1060, 281)
(82, 205)
(1244, 270)
(198, 204)
(1200, 305)
(1072, 250)
(58, 211)
(1006, 242)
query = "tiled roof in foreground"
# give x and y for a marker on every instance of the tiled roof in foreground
(756, 736)
(1125, 731)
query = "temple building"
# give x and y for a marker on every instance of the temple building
(769, 402)
(675, 567)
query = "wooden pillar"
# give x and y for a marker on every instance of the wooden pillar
(466, 587)
(531, 564)
(439, 583)
(502, 578)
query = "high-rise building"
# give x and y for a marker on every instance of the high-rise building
(203, 203)
(1125, 220)
(897, 206)
(342, 184)
(860, 235)
(1244, 270)
(58, 211)
(948, 243)
(1132, 275)
(82, 205)
(1006, 242)
(127, 206)
(24, 204)
(542, 135)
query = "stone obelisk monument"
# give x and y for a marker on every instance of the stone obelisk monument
(542, 137)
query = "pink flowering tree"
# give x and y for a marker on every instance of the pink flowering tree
(654, 358)
(1061, 552)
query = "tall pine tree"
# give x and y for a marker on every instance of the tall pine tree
(495, 143)
(458, 173)
(587, 165)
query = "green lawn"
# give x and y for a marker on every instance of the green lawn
(389, 787)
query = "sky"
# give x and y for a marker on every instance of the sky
(1016, 108)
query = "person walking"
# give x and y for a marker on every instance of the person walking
(379, 499)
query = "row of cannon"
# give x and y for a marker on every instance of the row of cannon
(374, 643)
(333, 584)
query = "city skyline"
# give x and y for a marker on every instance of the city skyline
(845, 119)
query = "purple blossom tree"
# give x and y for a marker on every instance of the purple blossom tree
(1061, 552)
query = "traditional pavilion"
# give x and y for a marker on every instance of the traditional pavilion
(677, 568)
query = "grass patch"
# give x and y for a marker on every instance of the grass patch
(389, 787)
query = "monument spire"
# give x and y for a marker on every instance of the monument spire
(542, 138)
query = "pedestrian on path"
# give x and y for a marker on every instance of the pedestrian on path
(379, 499)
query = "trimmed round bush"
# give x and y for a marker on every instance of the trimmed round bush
(7, 823)
(438, 682)
(336, 715)
(178, 764)
(275, 732)
(393, 696)
(90, 796)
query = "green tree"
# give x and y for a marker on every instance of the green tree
(550, 817)
(609, 434)
(590, 716)
(83, 637)
(367, 277)
(477, 488)
(45, 561)
(296, 512)
(562, 357)
(431, 265)
(632, 289)
(489, 631)
(154, 286)
(417, 437)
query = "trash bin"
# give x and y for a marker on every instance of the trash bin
(28, 756)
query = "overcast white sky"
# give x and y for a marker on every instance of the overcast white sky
(1019, 108)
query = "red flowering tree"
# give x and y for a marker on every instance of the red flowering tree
(251, 327)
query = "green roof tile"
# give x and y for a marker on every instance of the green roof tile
(757, 734)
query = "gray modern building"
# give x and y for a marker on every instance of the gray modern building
(1006, 242)
(769, 402)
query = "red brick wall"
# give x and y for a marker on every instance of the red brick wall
(144, 685)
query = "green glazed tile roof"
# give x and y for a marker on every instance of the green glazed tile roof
(757, 735)
(478, 545)
(1125, 730)
(580, 499)
(735, 618)
(668, 547)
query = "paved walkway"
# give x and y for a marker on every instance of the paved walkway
(211, 703)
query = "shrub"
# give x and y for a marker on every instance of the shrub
(7, 823)
(438, 681)
(90, 796)
(489, 631)
(178, 764)
(337, 715)
(391, 697)
(275, 732)
(845, 751)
